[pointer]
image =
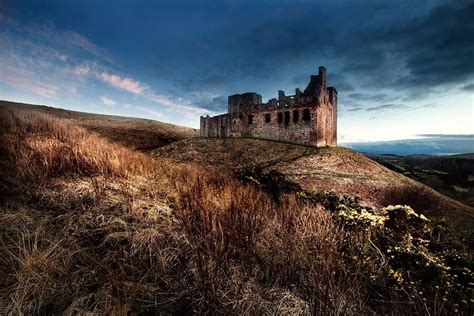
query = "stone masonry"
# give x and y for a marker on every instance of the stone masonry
(308, 117)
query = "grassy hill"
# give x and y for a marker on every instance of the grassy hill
(326, 169)
(88, 225)
(135, 133)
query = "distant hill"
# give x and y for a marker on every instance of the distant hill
(135, 133)
(451, 175)
(324, 169)
(432, 145)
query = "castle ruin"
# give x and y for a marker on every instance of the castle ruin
(308, 117)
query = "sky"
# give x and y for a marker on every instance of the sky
(402, 68)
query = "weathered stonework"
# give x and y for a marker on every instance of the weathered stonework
(308, 117)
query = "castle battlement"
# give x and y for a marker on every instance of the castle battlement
(308, 117)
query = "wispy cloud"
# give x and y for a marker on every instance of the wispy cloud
(107, 101)
(34, 68)
(35, 65)
(49, 62)
(62, 57)
(82, 70)
(138, 88)
(25, 80)
(387, 107)
(149, 111)
(49, 32)
(127, 84)
(355, 109)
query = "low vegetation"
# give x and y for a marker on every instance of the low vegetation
(89, 226)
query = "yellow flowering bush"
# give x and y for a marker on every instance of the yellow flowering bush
(398, 251)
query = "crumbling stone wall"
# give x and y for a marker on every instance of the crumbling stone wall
(308, 117)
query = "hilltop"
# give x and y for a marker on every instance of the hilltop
(135, 133)
(318, 169)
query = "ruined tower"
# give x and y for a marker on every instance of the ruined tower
(308, 117)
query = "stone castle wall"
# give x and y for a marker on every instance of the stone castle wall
(308, 117)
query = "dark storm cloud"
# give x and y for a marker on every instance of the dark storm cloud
(433, 50)
(263, 47)
(440, 48)
(408, 50)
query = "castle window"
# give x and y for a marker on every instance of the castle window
(241, 116)
(267, 118)
(287, 117)
(296, 116)
(250, 119)
(306, 115)
(280, 117)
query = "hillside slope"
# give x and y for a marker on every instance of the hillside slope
(135, 133)
(326, 169)
(88, 226)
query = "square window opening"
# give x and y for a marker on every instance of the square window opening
(306, 115)
(268, 118)
(296, 116)
(250, 119)
(287, 117)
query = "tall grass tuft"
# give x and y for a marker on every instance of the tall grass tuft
(41, 147)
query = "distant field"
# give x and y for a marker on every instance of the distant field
(450, 175)
(135, 133)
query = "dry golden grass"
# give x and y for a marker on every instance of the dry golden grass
(94, 227)
(134, 133)
(42, 147)
(90, 227)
